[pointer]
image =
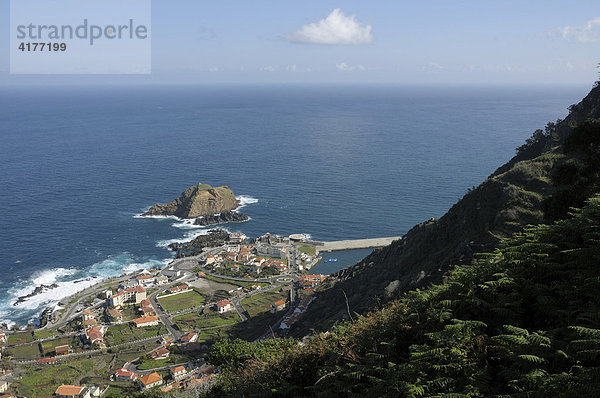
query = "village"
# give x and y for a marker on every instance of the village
(152, 328)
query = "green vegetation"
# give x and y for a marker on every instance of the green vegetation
(308, 250)
(44, 334)
(182, 301)
(197, 321)
(521, 321)
(127, 332)
(43, 380)
(28, 351)
(49, 346)
(20, 338)
(159, 363)
(232, 282)
(261, 302)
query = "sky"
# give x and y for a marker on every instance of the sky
(310, 41)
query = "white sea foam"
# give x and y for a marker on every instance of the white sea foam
(190, 236)
(245, 200)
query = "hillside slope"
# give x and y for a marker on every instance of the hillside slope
(514, 196)
(522, 321)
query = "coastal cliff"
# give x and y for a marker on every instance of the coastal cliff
(539, 184)
(197, 201)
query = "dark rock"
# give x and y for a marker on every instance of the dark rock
(214, 238)
(38, 290)
(226, 216)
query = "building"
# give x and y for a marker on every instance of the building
(150, 380)
(311, 280)
(178, 373)
(124, 375)
(277, 306)
(171, 273)
(144, 321)
(237, 237)
(162, 280)
(68, 391)
(160, 353)
(190, 337)
(95, 335)
(146, 280)
(62, 350)
(223, 306)
(133, 295)
(235, 268)
(3, 338)
(47, 361)
(146, 308)
(178, 289)
(89, 322)
(128, 284)
(87, 314)
(210, 259)
(4, 386)
(115, 315)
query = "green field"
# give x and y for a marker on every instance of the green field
(20, 338)
(48, 346)
(262, 302)
(197, 321)
(159, 363)
(43, 380)
(29, 351)
(232, 282)
(182, 301)
(308, 250)
(127, 332)
(44, 334)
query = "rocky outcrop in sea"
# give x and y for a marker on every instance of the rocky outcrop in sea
(224, 217)
(197, 201)
(214, 238)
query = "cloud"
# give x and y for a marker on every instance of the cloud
(213, 69)
(586, 33)
(336, 28)
(433, 67)
(344, 67)
(290, 68)
(268, 69)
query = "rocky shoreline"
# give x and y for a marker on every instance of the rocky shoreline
(38, 290)
(221, 218)
(214, 238)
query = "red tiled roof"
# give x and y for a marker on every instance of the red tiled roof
(145, 319)
(150, 379)
(178, 369)
(188, 336)
(69, 390)
(223, 303)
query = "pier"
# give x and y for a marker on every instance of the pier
(355, 244)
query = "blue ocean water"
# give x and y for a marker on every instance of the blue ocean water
(337, 162)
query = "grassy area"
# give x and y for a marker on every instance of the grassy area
(159, 363)
(182, 301)
(262, 302)
(20, 338)
(127, 332)
(29, 351)
(214, 334)
(308, 250)
(48, 346)
(43, 380)
(44, 334)
(231, 282)
(196, 321)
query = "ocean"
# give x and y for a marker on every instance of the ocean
(77, 164)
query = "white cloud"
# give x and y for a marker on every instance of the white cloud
(268, 69)
(586, 33)
(213, 69)
(433, 67)
(290, 68)
(344, 67)
(336, 28)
